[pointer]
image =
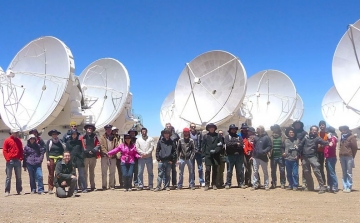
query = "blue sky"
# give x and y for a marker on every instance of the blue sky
(154, 40)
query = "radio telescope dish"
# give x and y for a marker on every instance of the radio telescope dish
(210, 88)
(105, 84)
(270, 98)
(36, 86)
(299, 109)
(169, 114)
(336, 113)
(346, 66)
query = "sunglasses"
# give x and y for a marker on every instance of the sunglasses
(73, 126)
(192, 126)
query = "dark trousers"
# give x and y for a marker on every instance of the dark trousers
(127, 173)
(321, 160)
(274, 162)
(214, 174)
(173, 174)
(314, 164)
(118, 167)
(248, 170)
(135, 174)
(221, 169)
(60, 191)
(236, 160)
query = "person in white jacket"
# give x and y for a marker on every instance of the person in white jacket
(145, 146)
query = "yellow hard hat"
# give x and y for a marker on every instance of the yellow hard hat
(72, 123)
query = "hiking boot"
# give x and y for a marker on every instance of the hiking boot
(227, 187)
(214, 187)
(206, 188)
(282, 186)
(157, 189)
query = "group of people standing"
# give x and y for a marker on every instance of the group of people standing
(247, 150)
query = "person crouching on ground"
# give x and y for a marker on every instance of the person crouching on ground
(348, 150)
(186, 154)
(128, 156)
(291, 156)
(65, 177)
(33, 158)
(262, 146)
(330, 160)
(165, 155)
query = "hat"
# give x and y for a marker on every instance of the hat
(244, 126)
(344, 127)
(133, 130)
(90, 126)
(32, 131)
(14, 130)
(186, 130)
(330, 129)
(127, 135)
(72, 123)
(275, 127)
(322, 122)
(108, 126)
(232, 126)
(31, 136)
(210, 125)
(114, 128)
(298, 121)
(251, 129)
(165, 131)
(54, 131)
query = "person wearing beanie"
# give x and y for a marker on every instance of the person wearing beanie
(145, 147)
(320, 151)
(330, 160)
(347, 153)
(276, 156)
(185, 154)
(234, 146)
(165, 155)
(291, 156)
(197, 137)
(308, 149)
(211, 148)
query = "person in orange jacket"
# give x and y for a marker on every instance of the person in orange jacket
(248, 134)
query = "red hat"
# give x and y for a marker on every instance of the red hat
(186, 130)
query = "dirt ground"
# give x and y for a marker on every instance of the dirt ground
(234, 205)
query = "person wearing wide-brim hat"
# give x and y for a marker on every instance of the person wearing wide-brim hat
(54, 152)
(90, 126)
(39, 140)
(347, 153)
(211, 147)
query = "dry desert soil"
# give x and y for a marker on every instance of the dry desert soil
(234, 205)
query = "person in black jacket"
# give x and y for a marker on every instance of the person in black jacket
(235, 153)
(165, 155)
(262, 146)
(65, 177)
(211, 148)
(223, 160)
(308, 149)
(197, 137)
(74, 146)
(300, 133)
(39, 140)
(175, 138)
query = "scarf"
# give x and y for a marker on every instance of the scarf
(345, 136)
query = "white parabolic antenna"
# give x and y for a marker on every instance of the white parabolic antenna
(169, 114)
(210, 88)
(336, 113)
(270, 98)
(36, 86)
(299, 109)
(105, 84)
(346, 66)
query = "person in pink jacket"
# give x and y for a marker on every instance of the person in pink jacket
(128, 156)
(330, 160)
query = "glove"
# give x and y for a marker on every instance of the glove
(212, 151)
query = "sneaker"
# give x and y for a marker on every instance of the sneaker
(21, 193)
(318, 187)
(167, 189)
(242, 186)
(179, 188)
(322, 191)
(202, 185)
(227, 187)
(282, 186)
(112, 188)
(32, 192)
(334, 191)
(295, 189)
(151, 189)
(193, 188)
(84, 191)
(347, 190)
(42, 193)
(214, 187)
(50, 192)
(306, 189)
(129, 189)
(7, 194)
(267, 188)
(93, 189)
(173, 187)
(156, 189)
(75, 191)
(206, 188)
(289, 188)
(140, 188)
(125, 190)
(253, 188)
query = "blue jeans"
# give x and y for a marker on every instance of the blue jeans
(141, 167)
(127, 170)
(292, 172)
(331, 174)
(274, 162)
(347, 163)
(199, 163)
(236, 160)
(164, 169)
(81, 179)
(36, 176)
(16, 165)
(181, 174)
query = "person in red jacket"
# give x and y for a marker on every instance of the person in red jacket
(13, 153)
